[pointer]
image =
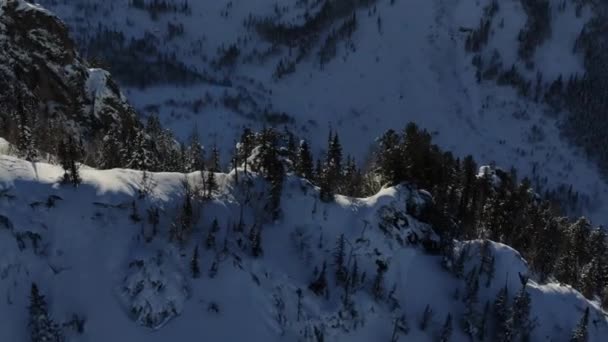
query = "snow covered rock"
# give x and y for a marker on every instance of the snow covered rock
(154, 291)
(43, 76)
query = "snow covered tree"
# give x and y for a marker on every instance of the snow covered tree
(329, 178)
(255, 239)
(210, 184)
(427, 315)
(446, 329)
(483, 324)
(194, 266)
(400, 327)
(390, 163)
(214, 161)
(134, 213)
(195, 156)
(339, 255)
(109, 154)
(182, 226)
(271, 166)
(69, 152)
(305, 164)
(319, 285)
(139, 154)
(580, 331)
(42, 328)
(352, 179)
(471, 317)
(520, 320)
(25, 139)
(458, 267)
(210, 241)
(503, 331)
(378, 284)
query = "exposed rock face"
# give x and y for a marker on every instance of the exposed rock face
(39, 65)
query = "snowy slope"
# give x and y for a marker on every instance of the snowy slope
(404, 62)
(93, 259)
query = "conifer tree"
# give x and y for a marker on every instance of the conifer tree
(194, 267)
(520, 320)
(214, 161)
(25, 139)
(42, 328)
(139, 154)
(339, 255)
(446, 329)
(255, 238)
(378, 284)
(390, 162)
(304, 166)
(580, 332)
(400, 327)
(319, 285)
(503, 331)
(210, 184)
(246, 144)
(471, 317)
(182, 227)
(195, 160)
(69, 153)
(427, 314)
(210, 242)
(109, 155)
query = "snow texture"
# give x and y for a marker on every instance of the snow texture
(90, 256)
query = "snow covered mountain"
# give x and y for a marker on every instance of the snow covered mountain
(396, 246)
(470, 71)
(47, 86)
(100, 256)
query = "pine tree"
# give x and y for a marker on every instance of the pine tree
(339, 255)
(520, 315)
(304, 166)
(458, 267)
(378, 284)
(400, 327)
(69, 152)
(139, 155)
(195, 160)
(503, 331)
(390, 162)
(134, 213)
(255, 237)
(352, 179)
(246, 144)
(215, 227)
(214, 162)
(110, 147)
(182, 227)
(319, 285)
(471, 317)
(604, 297)
(426, 317)
(330, 177)
(210, 184)
(194, 267)
(42, 327)
(446, 330)
(25, 139)
(580, 332)
(481, 333)
(354, 275)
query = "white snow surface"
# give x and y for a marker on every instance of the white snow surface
(91, 256)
